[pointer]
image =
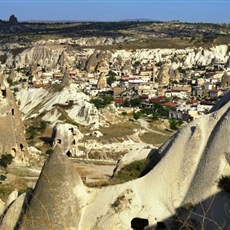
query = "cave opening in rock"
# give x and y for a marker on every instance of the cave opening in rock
(21, 147)
(68, 154)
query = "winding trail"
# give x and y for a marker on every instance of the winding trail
(145, 125)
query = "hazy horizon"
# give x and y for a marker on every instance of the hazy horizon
(207, 11)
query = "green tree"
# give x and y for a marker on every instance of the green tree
(111, 78)
(102, 102)
(155, 116)
(5, 160)
(97, 102)
(136, 115)
(107, 99)
(136, 64)
(135, 102)
(173, 124)
(126, 103)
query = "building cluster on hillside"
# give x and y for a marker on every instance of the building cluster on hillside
(188, 92)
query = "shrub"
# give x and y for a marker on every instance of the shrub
(31, 131)
(135, 102)
(155, 116)
(10, 81)
(111, 79)
(97, 102)
(43, 125)
(136, 64)
(5, 160)
(136, 115)
(130, 171)
(224, 183)
(49, 151)
(2, 177)
(173, 124)
(102, 102)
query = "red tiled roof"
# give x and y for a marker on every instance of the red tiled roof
(169, 104)
(118, 100)
(157, 99)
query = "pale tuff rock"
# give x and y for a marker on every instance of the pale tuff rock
(175, 76)
(205, 57)
(40, 54)
(102, 82)
(187, 171)
(55, 54)
(66, 137)
(13, 212)
(164, 75)
(97, 60)
(66, 79)
(12, 132)
(33, 150)
(225, 81)
(58, 198)
(12, 197)
(91, 63)
(2, 207)
(37, 101)
(193, 161)
(96, 133)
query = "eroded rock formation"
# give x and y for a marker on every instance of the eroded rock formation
(66, 137)
(58, 197)
(181, 185)
(12, 132)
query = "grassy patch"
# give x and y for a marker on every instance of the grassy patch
(154, 138)
(127, 173)
(5, 191)
(113, 132)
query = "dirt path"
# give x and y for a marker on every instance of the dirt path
(145, 125)
(91, 172)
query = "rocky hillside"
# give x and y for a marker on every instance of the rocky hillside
(115, 32)
(57, 56)
(180, 189)
(66, 104)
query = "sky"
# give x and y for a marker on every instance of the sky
(216, 11)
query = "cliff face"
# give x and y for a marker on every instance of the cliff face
(12, 132)
(45, 53)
